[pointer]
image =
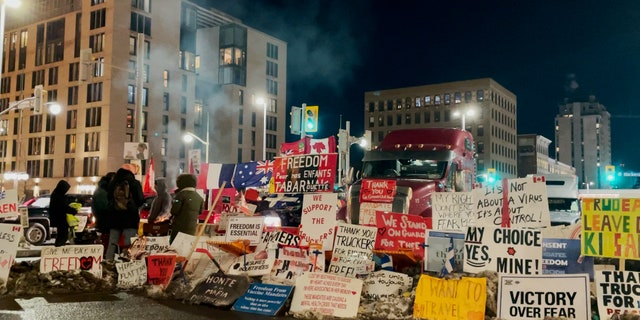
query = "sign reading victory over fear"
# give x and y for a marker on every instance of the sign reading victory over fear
(305, 173)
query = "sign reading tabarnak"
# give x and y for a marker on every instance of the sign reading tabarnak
(305, 173)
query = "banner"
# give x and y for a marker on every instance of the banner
(305, 173)
(610, 228)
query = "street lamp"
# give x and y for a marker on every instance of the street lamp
(188, 138)
(468, 112)
(12, 4)
(263, 102)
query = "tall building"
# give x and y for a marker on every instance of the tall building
(533, 157)
(583, 140)
(199, 70)
(487, 110)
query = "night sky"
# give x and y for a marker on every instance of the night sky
(542, 51)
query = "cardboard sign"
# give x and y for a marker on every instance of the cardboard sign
(291, 263)
(265, 299)
(377, 190)
(368, 212)
(9, 238)
(525, 199)
(184, 242)
(504, 250)
(611, 299)
(610, 228)
(437, 246)
(327, 294)
(249, 265)
(542, 296)
(385, 283)
(245, 228)
(400, 231)
(219, 290)
(352, 250)
(318, 219)
(160, 269)
(131, 274)
(72, 257)
(281, 237)
(305, 173)
(452, 211)
(155, 244)
(562, 256)
(451, 299)
(9, 203)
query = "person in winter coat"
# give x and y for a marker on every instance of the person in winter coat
(125, 198)
(58, 210)
(100, 209)
(161, 205)
(186, 207)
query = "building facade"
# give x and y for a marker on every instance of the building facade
(200, 71)
(583, 140)
(533, 157)
(486, 108)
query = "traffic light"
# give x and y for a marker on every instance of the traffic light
(491, 176)
(311, 119)
(610, 172)
(296, 115)
(40, 99)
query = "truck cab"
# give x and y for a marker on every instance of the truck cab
(420, 161)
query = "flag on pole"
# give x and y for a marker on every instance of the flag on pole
(326, 145)
(150, 179)
(450, 259)
(213, 174)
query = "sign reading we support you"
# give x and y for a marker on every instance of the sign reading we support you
(318, 219)
(610, 228)
(305, 173)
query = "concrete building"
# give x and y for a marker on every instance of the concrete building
(200, 70)
(583, 140)
(493, 122)
(533, 157)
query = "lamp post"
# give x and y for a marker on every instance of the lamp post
(189, 136)
(463, 115)
(263, 102)
(13, 4)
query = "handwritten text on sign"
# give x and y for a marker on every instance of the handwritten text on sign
(74, 257)
(452, 210)
(305, 173)
(450, 299)
(318, 219)
(377, 190)
(352, 249)
(400, 231)
(9, 238)
(610, 228)
(328, 294)
(9, 204)
(160, 269)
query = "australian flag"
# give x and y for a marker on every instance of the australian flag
(253, 174)
(450, 259)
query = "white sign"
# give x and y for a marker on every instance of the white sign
(251, 266)
(9, 238)
(352, 250)
(452, 211)
(327, 294)
(9, 203)
(542, 296)
(195, 160)
(136, 151)
(368, 212)
(73, 257)
(318, 219)
(155, 245)
(617, 292)
(131, 274)
(385, 283)
(245, 228)
(183, 243)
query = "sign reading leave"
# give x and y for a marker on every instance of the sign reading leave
(400, 231)
(377, 190)
(74, 257)
(305, 173)
(610, 228)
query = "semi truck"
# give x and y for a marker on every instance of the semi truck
(417, 163)
(562, 196)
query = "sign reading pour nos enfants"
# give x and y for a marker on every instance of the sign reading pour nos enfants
(305, 173)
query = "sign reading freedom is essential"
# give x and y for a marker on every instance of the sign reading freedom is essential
(305, 173)
(377, 190)
(73, 257)
(610, 228)
(245, 228)
(452, 299)
(542, 296)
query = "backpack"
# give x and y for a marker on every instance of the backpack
(121, 195)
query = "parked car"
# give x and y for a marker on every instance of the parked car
(40, 229)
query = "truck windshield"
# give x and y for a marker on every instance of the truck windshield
(404, 168)
(563, 204)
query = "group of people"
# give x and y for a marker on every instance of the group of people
(116, 204)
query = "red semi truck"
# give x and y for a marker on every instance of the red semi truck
(418, 162)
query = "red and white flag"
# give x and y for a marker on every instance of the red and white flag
(150, 179)
(326, 145)
(294, 148)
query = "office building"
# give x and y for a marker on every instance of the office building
(533, 157)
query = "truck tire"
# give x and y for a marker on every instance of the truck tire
(36, 234)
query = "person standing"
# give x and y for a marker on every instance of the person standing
(100, 209)
(161, 205)
(186, 207)
(58, 210)
(125, 198)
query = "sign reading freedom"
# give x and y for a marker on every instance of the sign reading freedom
(305, 173)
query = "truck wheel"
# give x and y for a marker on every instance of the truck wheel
(36, 234)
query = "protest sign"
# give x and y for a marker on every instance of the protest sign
(437, 245)
(248, 264)
(160, 269)
(131, 274)
(504, 250)
(327, 294)
(525, 199)
(318, 219)
(562, 256)
(291, 263)
(265, 299)
(385, 283)
(155, 244)
(452, 299)
(542, 296)
(377, 190)
(219, 290)
(305, 173)
(452, 211)
(9, 238)
(610, 228)
(9, 204)
(368, 212)
(184, 242)
(72, 257)
(398, 231)
(618, 292)
(245, 228)
(352, 250)
(281, 237)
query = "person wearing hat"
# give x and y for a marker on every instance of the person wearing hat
(186, 207)
(125, 197)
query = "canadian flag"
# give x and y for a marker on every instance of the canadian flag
(326, 145)
(150, 179)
